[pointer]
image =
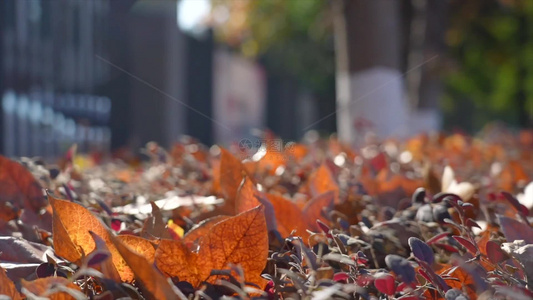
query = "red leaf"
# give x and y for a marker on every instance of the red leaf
(437, 238)
(495, 252)
(447, 247)
(472, 223)
(342, 276)
(514, 230)
(467, 244)
(385, 284)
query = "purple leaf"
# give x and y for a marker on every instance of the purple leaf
(97, 257)
(440, 196)
(514, 230)
(514, 202)
(401, 267)
(472, 223)
(45, 270)
(456, 203)
(385, 283)
(433, 278)
(421, 250)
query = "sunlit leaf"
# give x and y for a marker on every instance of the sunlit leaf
(200, 230)
(175, 260)
(316, 208)
(232, 173)
(19, 187)
(240, 240)
(54, 288)
(322, 181)
(72, 238)
(289, 217)
(153, 282)
(7, 287)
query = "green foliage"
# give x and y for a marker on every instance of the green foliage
(292, 37)
(492, 43)
(295, 35)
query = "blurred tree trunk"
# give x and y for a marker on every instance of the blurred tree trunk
(434, 47)
(426, 50)
(368, 57)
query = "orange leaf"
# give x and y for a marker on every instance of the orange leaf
(48, 287)
(153, 282)
(410, 185)
(484, 237)
(271, 161)
(242, 240)
(296, 152)
(18, 186)
(7, 287)
(313, 210)
(250, 166)
(201, 229)
(466, 282)
(518, 171)
(322, 181)
(288, 216)
(231, 174)
(249, 197)
(141, 246)
(388, 182)
(71, 225)
(174, 259)
(274, 156)
(246, 196)
(7, 212)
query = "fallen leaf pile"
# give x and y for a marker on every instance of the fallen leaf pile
(431, 217)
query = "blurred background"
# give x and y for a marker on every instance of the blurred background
(109, 74)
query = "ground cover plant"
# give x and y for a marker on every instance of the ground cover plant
(433, 217)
